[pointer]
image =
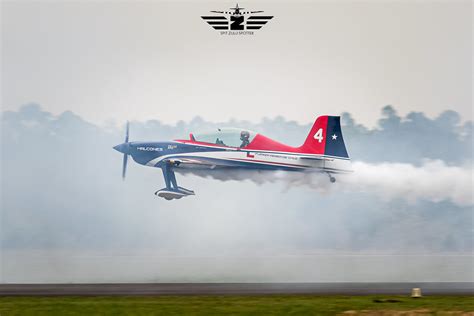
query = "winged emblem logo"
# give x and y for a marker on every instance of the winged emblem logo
(237, 19)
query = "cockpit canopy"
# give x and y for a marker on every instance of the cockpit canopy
(230, 137)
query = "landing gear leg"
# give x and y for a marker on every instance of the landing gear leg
(172, 190)
(167, 175)
(171, 177)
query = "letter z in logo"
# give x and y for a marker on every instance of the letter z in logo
(237, 22)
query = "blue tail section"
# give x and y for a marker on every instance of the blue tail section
(334, 140)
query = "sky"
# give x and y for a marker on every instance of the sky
(114, 61)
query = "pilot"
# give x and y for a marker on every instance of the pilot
(244, 137)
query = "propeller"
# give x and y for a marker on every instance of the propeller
(124, 148)
(125, 155)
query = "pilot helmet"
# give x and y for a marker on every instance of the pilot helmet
(244, 135)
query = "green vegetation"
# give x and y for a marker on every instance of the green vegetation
(232, 305)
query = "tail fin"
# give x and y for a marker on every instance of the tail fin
(325, 138)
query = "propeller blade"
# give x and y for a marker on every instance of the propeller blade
(127, 131)
(124, 165)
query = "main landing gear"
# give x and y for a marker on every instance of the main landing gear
(172, 190)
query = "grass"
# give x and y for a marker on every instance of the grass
(229, 305)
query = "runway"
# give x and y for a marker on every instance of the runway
(158, 289)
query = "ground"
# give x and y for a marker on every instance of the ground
(238, 305)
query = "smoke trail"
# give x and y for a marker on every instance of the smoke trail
(434, 180)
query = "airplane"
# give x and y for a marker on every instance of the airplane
(236, 11)
(227, 149)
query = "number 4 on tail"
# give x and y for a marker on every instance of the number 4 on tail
(319, 135)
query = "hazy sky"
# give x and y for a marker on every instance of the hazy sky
(159, 60)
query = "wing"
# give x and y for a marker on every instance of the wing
(255, 22)
(218, 22)
(191, 163)
(217, 12)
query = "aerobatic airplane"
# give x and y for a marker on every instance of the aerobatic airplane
(238, 148)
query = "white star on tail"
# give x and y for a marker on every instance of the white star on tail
(334, 137)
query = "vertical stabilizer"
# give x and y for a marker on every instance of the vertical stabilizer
(325, 138)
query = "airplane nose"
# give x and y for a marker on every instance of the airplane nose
(123, 148)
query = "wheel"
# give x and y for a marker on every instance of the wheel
(332, 179)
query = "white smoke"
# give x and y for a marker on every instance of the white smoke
(433, 181)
